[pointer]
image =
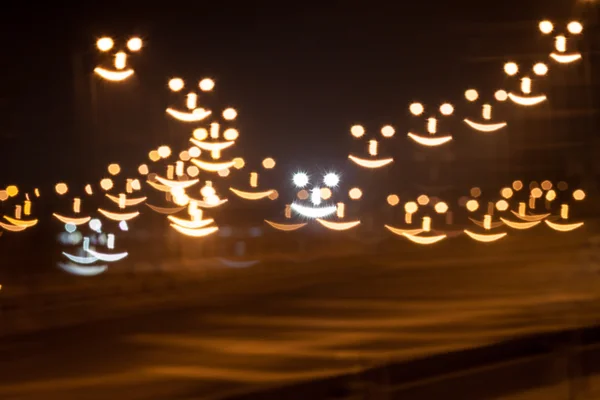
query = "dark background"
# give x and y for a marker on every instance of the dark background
(300, 75)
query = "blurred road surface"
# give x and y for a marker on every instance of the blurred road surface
(339, 316)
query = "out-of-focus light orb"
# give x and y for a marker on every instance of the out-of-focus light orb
(326, 193)
(231, 134)
(268, 163)
(475, 192)
(164, 151)
(12, 190)
(393, 200)
(224, 172)
(192, 171)
(511, 68)
(471, 95)
(206, 85)
(472, 205)
(181, 200)
(423, 200)
(540, 69)
(229, 114)
(61, 188)
(106, 184)
(411, 207)
(517, 185)
(208, 191)
(200, 134)
(134, 44)
(176, 84)
(143, 169)
(441, 207)
(3, 195)
(546, 27)
(357, 131)
(184, 155)
(238, 163)
(502, 205)
(104, 44)
(416, 108)
(562, 185)
(546, 185)
(300, 179)
(88, 189)
(123, 226)
(154, 156)
(355, 193)
(331, 179)
(95, 225)
(575, 27)
(388, 131)
(114, 169)
(302, 195)
(579, 194)
(274, 195)
(136, 185)
(501, 95)
(194, 152)
(506, 192)
(446, 109)
(70, 227)
(536, 193)
(551, 195)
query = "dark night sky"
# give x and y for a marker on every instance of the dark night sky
(300, 73)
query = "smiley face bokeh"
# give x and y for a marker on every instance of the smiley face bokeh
(358, 131)
(433, 139)
(525, 97)
(194, 112)
(120, 68)
(255, 193)
(563, 52)
(486, 123)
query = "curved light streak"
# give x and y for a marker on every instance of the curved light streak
(128, 202)
(519, 225)
(212, 146)
(338, 226)
(370, 163)
(430, 142)
(526, 101)
(159, 187)
(563, 227)
(197, 115)
(314, 212)
(186, 223)
(487, 238)
(119, 216)
(114, 76)
(177, 184)
(69, 220)
(251, 195)
(195, 232)
(80, 260)
(213, 167)
(425, 240)
(165, 210)
(204, 204)
(107, 257)
(401, 232)
(12, 228)
(82, 271)
(285, 227)
(485, 127)
(565, 58)
(237, 264)
(20, 222)
(530, 218)
(482, 225)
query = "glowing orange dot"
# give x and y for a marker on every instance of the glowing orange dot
(302, 195)
(114, 169)
(193, 171)
(206, 84)
(507, 193)
(355, 193)
(231, 134)
(357, 131)
(517, 185)
(268, 163)
(326, 193)
(106, 184)
(3, 195)
(143, 169)
(274, 195)
(441, 207)
(536, 193)
(579, 194)
(502, 205)
(475, 192)
(154, 156)
(411, 207)
(423, 200)
(164, 151)
(12, 190)
(546, 185)
(229, 114)
(239, 163)
(184, 155)
(224, 172)
(472, 205)
(61, 188)
(200, 134)
(393, 200)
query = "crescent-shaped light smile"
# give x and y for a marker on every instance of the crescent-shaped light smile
(251, 195)
(526, 100)
(313, 212)
(430, 141)
(82, 271)
(195, 116)
(365, 163)
(485, 127)
(113, 75)
(107, 257)
(565, 58)
(285, 227)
